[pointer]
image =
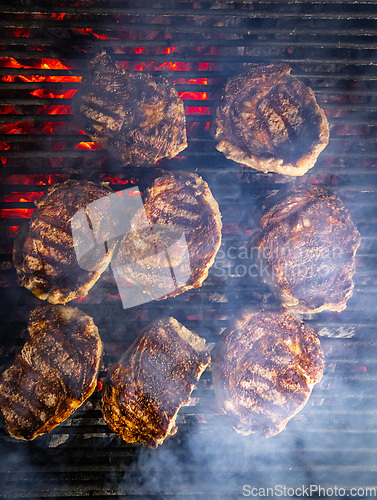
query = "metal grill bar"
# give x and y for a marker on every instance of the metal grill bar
(235, 59)
(209, 13)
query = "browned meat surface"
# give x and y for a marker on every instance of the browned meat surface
(309, 243)
(153, 256)
(270, 121)
(53, 375)
(145, 389)
(264, 370)
(138, 117)
(44, 253)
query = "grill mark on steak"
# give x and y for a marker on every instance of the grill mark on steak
(99, 110)
(88, 220)
(136, 116)
(288, 147)
(50, 228)
(146, 388)
(55, 372)
(309, 242)
(25, 401)
(264, 369)
(59, 353)
(169, 218)
(52, 254)
(270, 121)
(44, 254)
(165, 205)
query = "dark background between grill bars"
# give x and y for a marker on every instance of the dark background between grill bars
(331, 46)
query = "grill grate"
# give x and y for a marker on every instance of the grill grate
(331, 46)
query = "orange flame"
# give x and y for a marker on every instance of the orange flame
(24, 197)
(115, 180)
(36, 179)
(54, 64)
(10, 62)
(21, 32)
(58, 16)
(92, 146)
(172, 66)
(4, 147)
(200, 96)
(67, 94)
(86, 31)
(29, 196)
(14, 213)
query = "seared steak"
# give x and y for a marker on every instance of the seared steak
(137, 116)
(264, 369)
(53, 375)
(174, 238)
(145, 389)
(44, 253)
(309, 243)
(270, 121)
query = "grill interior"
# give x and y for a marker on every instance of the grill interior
(331, 46)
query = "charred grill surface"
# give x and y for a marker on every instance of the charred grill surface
(53, 375)
(137, 117)
(331, 48)
(270, 121)
(145, 389)
(44, 253)
(309, 242)
(264, 370)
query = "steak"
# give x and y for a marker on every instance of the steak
(174, 238)
(44, 254)
(139, 117)
(309, 243)
(270, 121)
(145, 389)
(264, 370)
(55, 372)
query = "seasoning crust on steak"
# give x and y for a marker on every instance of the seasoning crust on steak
(44, 254)
(145, 389)
(309, 242)
(139, 117)
(264, 370)
(270, 121)
(178, 203)
(55, 372)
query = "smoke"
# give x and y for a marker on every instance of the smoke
(319, 449)
(331, 442)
